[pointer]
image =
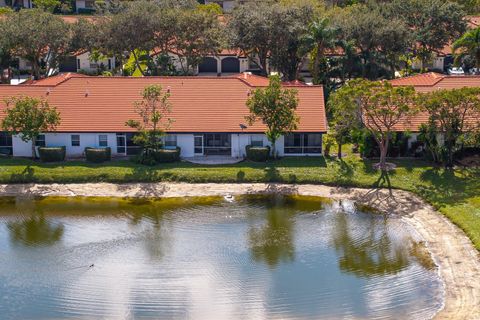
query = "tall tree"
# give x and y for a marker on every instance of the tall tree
(38, 37)
(275, 107)
(131, 30)
(380, 108)
(432, 23)
(29, 117)
(198, 35)
(468, 45)
(321, 37)
(153, 111)
(453, 113)
(251, 30)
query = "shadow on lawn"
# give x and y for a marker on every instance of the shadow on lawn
(27, 175)
(449, 186)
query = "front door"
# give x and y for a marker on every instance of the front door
(198, 145)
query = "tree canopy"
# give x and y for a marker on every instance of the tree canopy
(275, 107)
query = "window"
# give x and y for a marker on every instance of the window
(121, 143)
(103, 140)
(40, 142)
(5, 143)
(109, 64)
(93, 65)
(303, 143)
(75, 140)
(170, 141)
(78, 64)
(256, 141)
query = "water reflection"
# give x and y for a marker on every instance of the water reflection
(370, 251)
(274, 241)
(260, 257)
(35, 230)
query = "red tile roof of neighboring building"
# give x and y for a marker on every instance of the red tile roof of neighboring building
(199, 104)
(54, 80)
(423, 79)
(429, 82)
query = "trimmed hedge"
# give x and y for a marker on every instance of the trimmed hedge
(52, 154)
(257, 154)
(98, 155)
(167, 155)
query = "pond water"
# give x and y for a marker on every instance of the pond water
(256, 257)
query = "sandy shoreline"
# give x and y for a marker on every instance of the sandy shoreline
(458, 260)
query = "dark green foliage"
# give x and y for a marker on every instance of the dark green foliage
(167, 155)
(52, 154)
(98, 155)
(257, 154)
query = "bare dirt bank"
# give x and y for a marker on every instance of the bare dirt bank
(458, 260)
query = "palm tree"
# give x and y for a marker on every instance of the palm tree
(469, 45)
(321, 37)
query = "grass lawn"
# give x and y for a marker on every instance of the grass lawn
(456, 193)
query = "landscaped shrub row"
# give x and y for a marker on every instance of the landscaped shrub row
(98, 155)
(52, 154)
(167, 155)
(257, 154)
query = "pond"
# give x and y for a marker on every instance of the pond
(251, 257)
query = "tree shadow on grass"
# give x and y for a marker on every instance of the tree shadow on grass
(449, 186)
(27, 175)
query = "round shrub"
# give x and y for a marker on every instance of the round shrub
(167, 155)
(98, 155)
(52, 154)
(257, 154)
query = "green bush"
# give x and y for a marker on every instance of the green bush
(257, 154)
(52, 154)
(98, 155)
(167, 155)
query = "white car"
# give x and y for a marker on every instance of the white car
(474, 71)
(456, 71)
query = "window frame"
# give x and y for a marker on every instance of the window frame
(300, 144)
(101, 140)
(41, 141)
(73, 142)
(170, 141)
(256, 141)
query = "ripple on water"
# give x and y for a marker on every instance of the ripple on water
(255, 258)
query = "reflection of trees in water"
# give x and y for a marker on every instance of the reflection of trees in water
(273, 242)
(35, 231)
(371, 255)
(155, 237)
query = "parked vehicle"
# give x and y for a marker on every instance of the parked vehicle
(474, 71)
(456, 71)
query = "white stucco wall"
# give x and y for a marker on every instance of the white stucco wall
(23, 149)
(85, 63)
(2, 3)
(185, 142)
(244, 66)
(80, 4)
(437, 63)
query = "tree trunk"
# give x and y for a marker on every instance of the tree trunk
(274, 149)
(34, 153)
(339, 153)
(383, 152)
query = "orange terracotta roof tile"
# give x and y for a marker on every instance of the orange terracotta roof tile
(199, 104)
(422, 79)
(429, 82)
(55, 80)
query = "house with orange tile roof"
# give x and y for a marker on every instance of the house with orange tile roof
(428, 82)
(209, 115)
